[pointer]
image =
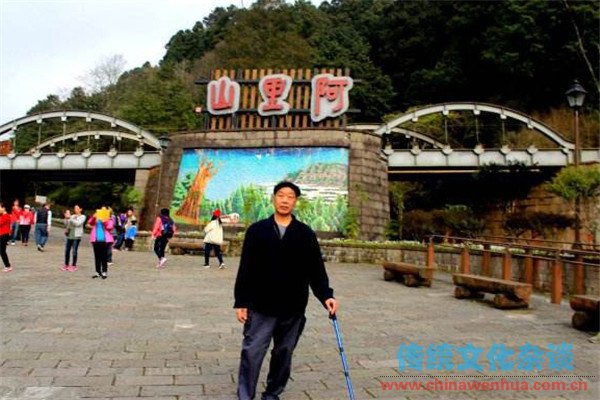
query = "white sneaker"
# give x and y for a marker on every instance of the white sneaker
(110, 264)
(206, 266)
(222, 266)
(162, 262)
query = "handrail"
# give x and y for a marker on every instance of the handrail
(535, 239)
(581, 252)
(575, 257)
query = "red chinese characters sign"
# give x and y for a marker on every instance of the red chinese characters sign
(274, 89)
(329, 95)
(223, 96)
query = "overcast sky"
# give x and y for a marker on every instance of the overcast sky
(46, 46)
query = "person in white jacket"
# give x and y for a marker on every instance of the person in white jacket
(214, 239)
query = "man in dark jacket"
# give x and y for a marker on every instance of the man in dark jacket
(280, 259)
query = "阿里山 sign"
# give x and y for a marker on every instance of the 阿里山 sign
(328, 95)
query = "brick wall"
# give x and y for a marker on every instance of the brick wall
(447, 260)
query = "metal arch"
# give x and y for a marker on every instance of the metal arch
(478, 107)
(150, 138)
(117, 134)
(403, 131)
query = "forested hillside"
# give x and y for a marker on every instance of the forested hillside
(521, 54)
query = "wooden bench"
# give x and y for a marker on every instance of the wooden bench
(411, 275)
(509, 294)
(587, 309)
(183, 246)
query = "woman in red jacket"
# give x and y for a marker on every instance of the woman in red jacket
(5, 223)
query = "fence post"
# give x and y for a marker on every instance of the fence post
(528, 266)
(536, 273)
(556, 290)
(507, 265)
(465, 266)
(430, 254)
(486, 264)
(578, 275)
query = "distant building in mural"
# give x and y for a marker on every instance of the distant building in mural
(240, 181)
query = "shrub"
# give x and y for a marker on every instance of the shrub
(538, 224)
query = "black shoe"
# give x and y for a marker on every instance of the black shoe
(95, 276)
(104, 276)
(269, 397)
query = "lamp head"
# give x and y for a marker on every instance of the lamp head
(575, 95)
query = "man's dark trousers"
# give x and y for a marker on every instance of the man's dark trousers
(258, 331)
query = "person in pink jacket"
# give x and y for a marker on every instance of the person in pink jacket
(101, 240)
(163, 230)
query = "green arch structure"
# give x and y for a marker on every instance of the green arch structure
(140, 134)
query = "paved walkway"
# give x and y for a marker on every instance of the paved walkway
(171, 334)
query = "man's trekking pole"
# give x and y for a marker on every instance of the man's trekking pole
(338, 336)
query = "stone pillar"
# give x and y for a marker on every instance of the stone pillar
(147, 212)
(368, 185)
(141, 181)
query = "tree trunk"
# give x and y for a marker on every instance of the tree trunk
(190, 207)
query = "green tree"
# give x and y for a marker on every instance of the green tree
(580, 185)
(156, 99)
(51, 103)
(237, 202)
(505, 52)
(264, 37)
(341, 42)
(193, 44)
(499, 186)
(131, 197)
(206, 209)
(398, 191)
(91, 195)
(181, 189)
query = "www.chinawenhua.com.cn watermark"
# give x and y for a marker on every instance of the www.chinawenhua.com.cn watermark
(444, 367)
(463, 384)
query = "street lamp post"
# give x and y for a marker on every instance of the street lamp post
(164, 142)
(575, 96)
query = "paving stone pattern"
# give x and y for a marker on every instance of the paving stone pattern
(171, 334)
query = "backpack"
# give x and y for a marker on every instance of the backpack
(167, 227)
(100, 236)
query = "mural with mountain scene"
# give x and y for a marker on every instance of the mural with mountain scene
(241, 181)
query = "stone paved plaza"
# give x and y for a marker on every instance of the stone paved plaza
(171, 334)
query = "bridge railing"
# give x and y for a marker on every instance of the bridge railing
(553, 253)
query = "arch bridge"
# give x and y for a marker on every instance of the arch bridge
(427, 152)
(54, 153)
(424, 152)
